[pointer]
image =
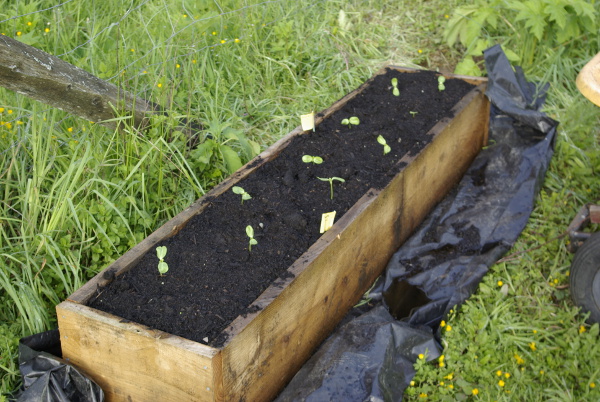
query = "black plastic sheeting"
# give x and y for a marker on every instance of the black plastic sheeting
(371, 357)
(48, 378)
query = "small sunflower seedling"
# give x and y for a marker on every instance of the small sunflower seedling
(352, 121)
(317, 160)
(330, 180)
(441, 80)
(242, 192)
(413, 114)
(395, 91)
(386, 147)
(161, 252)
(250, 234)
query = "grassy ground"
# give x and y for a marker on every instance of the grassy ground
(74, 196)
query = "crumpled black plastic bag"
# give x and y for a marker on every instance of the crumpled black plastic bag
(442, 263)
(48, 378)
(372, 353)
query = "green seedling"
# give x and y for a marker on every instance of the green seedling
(250, 234)
(386, 147)
(441, 80)
(317, 160)
(395, 91)
(413, 114)
(242, 192)
(352, 121)
(161, 252)
(330, 180)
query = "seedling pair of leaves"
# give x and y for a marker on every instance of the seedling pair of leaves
(330, 180)
(386, 147)
(239, 190)
(163, 267)
(250, 234)
(395, 89)
(352, 121)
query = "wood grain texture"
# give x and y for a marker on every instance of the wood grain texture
(46, 78)
(132, 362)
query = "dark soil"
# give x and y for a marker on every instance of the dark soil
(212, 277)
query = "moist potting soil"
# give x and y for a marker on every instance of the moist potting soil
(213, 276)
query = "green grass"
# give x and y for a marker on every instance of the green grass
(75, 196)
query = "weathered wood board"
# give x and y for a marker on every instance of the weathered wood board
(265, 349)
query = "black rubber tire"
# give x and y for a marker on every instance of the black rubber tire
(585, 277)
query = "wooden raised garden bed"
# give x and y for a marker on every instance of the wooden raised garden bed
(255, 352)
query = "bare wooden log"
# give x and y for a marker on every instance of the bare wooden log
(46, 78)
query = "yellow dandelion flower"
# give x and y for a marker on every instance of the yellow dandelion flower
(592, 385)
(500, 283)
(534, 331)
(419, 51)
(2, 123)
(159, 85)
(499, 373)
(451, 386)
(443, 324)
(446, 16)
(542, 372)
(422, 395)
(1, 110)
(132, 50)
(9, 111)
(47, 30)
(214, 33)
(185, 16)
(441, 358)
(501, 383)
(194, 61)
(448, 328)
(236, 40)
(177, 66)
(421, 356)
(532, 346)
(519, 359)
(19, 33)
(507, 375)
(556, 281)
(475, 391)
(144, 72)
(70, 129)
(29, 23)
(223, 41)
(412, 383)
(442, 383)
(581, 329)
(449, 376)
(442, 364)
(8, 125)
(19, 122)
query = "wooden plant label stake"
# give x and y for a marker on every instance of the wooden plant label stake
(308, 121)
(327, 221)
